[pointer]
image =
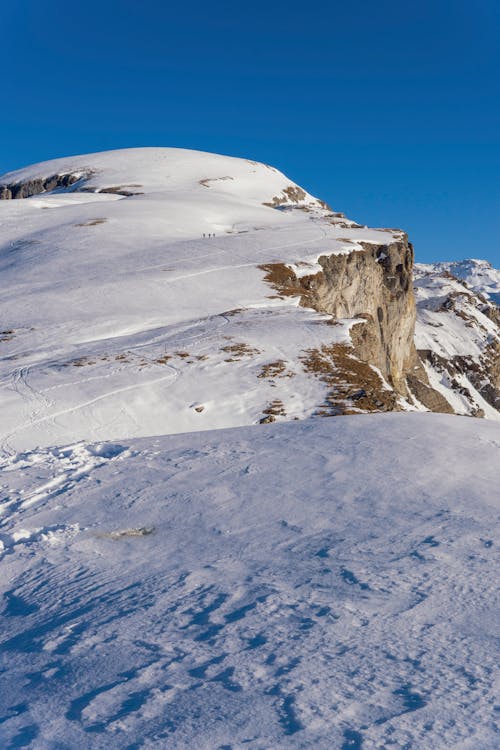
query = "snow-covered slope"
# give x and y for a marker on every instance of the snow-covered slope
(458, 337)
(120, 318)
(145, 171)
(326, 584)
(479, 275)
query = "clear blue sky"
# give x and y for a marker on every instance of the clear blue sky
(388, 110)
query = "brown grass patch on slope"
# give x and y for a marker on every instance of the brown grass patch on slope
(163, 360)
(232, 313)
(92, 222)
(121, 190)
(82, 362)
(276, 408)
(284, 281)
(291, 194)
(238, 351)
(127, 358)
(353, 385)
(87, 360)
(188, 357)
(206, 182)
(275, 370)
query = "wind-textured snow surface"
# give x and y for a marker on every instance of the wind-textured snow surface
(329, 583)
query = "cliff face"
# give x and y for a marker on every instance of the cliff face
(375, 284)
(456, 368)
(35, 186)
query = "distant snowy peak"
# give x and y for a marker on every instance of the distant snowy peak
(139, 171)
(458, 333)
(479, 275)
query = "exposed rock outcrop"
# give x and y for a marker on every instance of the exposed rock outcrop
(27, 188)
(36, 186)
(429, 397)
(456, 367)
(373, 286)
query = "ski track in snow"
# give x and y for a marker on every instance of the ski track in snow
(323, 584)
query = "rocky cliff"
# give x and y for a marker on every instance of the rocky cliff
(374, 284)
(372, 287)
(34, 186)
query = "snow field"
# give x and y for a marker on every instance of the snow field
(323, 584)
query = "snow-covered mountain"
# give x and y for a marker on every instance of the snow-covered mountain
(146, 292)
(458, 335)
(151, 291)
(129, 318)
(479, 275)
(326, 583)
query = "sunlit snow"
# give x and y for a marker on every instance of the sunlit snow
(326, 583)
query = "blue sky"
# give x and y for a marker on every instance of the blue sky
(387, 110)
